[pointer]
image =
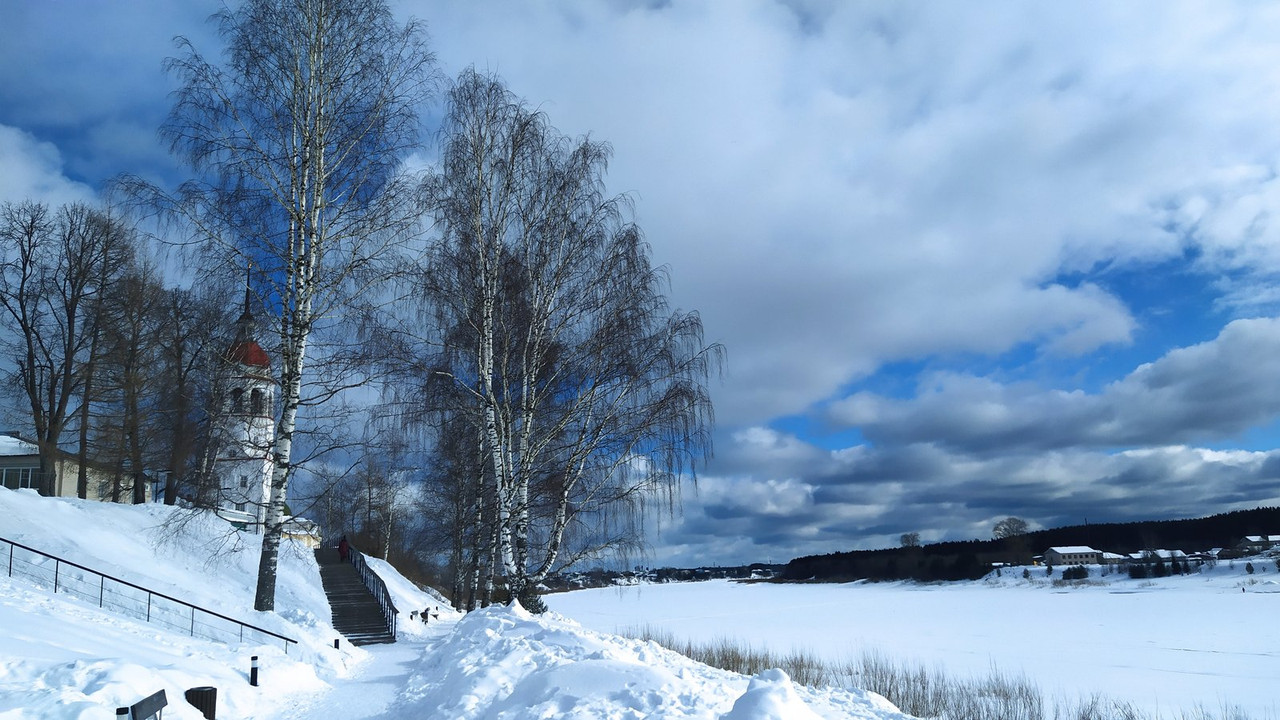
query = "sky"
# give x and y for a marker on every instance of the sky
(968, 261)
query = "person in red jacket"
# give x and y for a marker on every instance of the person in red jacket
(344, 549)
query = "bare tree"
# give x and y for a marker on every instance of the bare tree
(298, 136)
(189, 329)
(54, 274)
(910, 540)
(588, 391)
(127, 390)
(1010, 527)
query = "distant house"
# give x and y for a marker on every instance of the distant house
(1072, 555)
(302, 530)
(20, 468)
(1110, 558)
(1151, 557)
(1258, 543)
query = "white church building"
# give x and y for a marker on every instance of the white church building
(243, 463)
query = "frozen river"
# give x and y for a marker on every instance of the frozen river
(1170, 645)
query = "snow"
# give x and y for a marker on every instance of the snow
(62, 658)
(1073, 549)
(11, 446)
(1166, 645)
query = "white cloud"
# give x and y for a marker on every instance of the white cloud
(867, 183)
(1209, 391)
(32, 170)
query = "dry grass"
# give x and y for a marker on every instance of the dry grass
(920, 691)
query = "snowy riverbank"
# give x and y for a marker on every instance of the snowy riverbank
(63, 659)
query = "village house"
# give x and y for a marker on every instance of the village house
(1253, 544)
(1151, 557)
(1072, 555)
(20, 468)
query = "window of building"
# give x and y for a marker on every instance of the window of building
(240, 507)
(255, 402)
(17, 478)
(237, 400)
(244, 481)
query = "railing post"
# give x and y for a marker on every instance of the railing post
(56, 564)
(10, 559)
(148, 606)
(102, 589)
(193, 621)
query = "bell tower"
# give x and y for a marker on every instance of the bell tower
(246, 427)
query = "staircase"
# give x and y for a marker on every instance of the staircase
(356, 612)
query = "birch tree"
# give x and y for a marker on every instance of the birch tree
(296, 139)
(589, 392)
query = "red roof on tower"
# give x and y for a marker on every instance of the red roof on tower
(245, 350)
(248, 352)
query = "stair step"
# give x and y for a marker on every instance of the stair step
(356, 612)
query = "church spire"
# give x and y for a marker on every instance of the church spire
(245, 348)
(244, 326)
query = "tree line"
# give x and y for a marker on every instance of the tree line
(971, 559)
(478, 366)
(108, 363)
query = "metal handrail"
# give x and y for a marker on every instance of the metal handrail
(150, 593)
(375, 585)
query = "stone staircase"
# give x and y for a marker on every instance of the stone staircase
(356, 613)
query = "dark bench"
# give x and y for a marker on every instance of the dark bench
(147, 708)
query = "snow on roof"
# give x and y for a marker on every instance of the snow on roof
(1072, 549)
(11, 446)
(1262, 538)
(1160, 554)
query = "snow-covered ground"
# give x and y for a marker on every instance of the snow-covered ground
(1206, 640)
(63, 658)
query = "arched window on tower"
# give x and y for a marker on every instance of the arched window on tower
(255, 402)
(237, 400)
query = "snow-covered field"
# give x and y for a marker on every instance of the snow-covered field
(1166, 645)
(62, 658)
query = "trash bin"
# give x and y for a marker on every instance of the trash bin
(204, 699)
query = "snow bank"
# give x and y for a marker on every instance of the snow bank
(503, 664)
(65, 659)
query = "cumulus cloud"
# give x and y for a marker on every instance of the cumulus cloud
(33, 171)
(1213, 390)
(835, 186)
(867, 499)
(849, 185)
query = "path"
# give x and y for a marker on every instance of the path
(374, 688)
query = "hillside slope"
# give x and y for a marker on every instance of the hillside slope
(63, 659)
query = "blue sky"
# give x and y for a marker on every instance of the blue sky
(968, 260)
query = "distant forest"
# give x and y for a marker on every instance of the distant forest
(971, 559)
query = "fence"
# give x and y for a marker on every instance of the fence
(376, 586)
(126, 598)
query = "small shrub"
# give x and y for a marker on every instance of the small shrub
(1248, 567)
(1026, 572)
(1077, 572)
(530, 600)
